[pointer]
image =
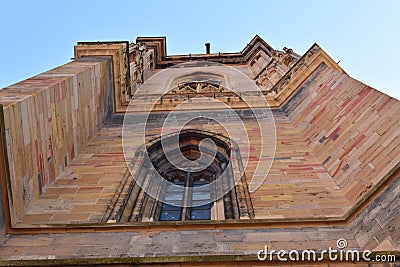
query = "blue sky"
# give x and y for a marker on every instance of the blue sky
(364, 35)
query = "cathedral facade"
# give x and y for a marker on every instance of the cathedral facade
(128, 156)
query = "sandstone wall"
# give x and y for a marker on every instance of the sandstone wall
(47, 119)
(352, 129)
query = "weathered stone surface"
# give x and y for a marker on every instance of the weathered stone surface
(333, 174)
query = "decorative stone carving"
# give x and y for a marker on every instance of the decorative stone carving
(197, 87)
(272, 71)
(127, 71)
(137, 63)
(292, 71)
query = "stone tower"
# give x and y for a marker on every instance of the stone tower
(128, 156)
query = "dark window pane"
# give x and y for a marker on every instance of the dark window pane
(173, 196)
(178, 182)
(170, 207)
(203, 184)
(202, 195)
(175, 188)
(200, 214)
(201, 205)
(170, 216)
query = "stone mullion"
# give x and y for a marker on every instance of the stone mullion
(233, 195)
(245, 195)
(139, 200)
(135, 191)
(187, 195)
(241, 197)
(119, 201)
(152, 200)
(226, 198)
(127, 211)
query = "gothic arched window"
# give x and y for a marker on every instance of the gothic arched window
(159, 191)
(186, 200)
